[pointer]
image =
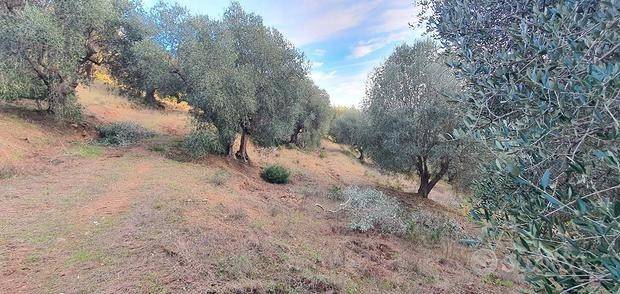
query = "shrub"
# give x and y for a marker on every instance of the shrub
(7, 171)
(220, 177)
(370, 209)
(276, 174)
(201, 142)
(430, 226)
(123, 133)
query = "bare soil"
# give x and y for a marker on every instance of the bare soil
(76, 217)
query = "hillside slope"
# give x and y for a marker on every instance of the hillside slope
(78, 217)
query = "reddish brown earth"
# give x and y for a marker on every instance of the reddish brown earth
(77, 217)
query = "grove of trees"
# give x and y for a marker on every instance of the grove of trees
(238, 75)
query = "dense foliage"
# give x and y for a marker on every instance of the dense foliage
(122, 133)
(313, 118)
(349, 127)
(48, 47)
(410, 118)
(144, 62)
(276, 174)
(244, 77)
(543, 94)
(201, 142)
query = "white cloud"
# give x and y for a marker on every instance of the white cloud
(319, 52)
(321, 76)
(364, 48)
(316, 21)
(316, 64)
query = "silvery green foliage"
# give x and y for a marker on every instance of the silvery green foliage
(542, 93)
(145, 57)
(46, 47)
(241, 76)
(349, 126)
(370, 209)
(435, 225)
(203, 141)
(313, 117)
(122, 134)
(409, 117)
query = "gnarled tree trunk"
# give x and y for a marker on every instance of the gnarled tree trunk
(242, 154)
(361, 151)
(427, 180)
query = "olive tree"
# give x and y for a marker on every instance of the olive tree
(542, 91)
(349, 127)
(409, 114)
(313, 117)
(145, 62)
(220, 92)
(242, 77)
(47, 48)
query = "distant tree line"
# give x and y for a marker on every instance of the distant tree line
(238, 75)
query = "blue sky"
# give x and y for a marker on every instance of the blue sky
(344, 39)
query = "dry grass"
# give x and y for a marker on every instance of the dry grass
(133, 220)
(108, 107)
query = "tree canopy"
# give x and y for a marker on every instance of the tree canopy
(242, 76)
(48, 46)
(409, 114)
(349, 127)
(542, 94)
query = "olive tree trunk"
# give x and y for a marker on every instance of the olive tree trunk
(428, 180)
(242, 154)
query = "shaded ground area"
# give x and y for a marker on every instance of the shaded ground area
(77, 217)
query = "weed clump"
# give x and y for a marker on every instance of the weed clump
(432, 227)
(370, 209)
(202, 142)
(220, 177)
(276, 174)
(7, 171)
(122, 133)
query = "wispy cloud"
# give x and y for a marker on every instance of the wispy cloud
(363, 48)
(316, 21)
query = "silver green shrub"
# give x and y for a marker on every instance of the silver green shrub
(370, 209)
(122, 133)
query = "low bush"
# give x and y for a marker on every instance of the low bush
(7, 171)
(276, 174)
(220, 177)
(123, 133)
(202, 142)
(370, 209)
(432, 227)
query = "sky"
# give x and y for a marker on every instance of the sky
(343, 39)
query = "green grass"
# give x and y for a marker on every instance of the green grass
(83, 255)
(493, 279)
(87, 151)
(153, 284)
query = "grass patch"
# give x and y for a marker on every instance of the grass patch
(82, 256)
(220, 177)
(232, 268)
(493, 279)
(153, 284)
(87, 150)
(7, 171)
(322, 154)
(123, 134)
